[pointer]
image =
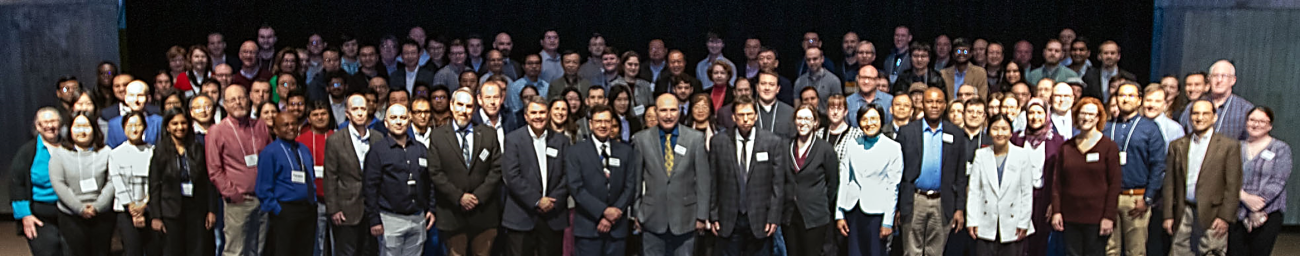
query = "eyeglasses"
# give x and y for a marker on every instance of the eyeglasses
(439, 97)
(333, 84)
(962, 51)
(1222, 76)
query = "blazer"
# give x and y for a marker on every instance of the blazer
(451, 179)
(397, 80)
(672, 204)
(343, 176)
(508, 121)
(593, 192)
(165, 192)
(1092, 78)
(1218, 185)
(953, 180)
(779, 122)
(812, 189)
(762, 190)
(523, 180)
(1000, 207)
(975, 76)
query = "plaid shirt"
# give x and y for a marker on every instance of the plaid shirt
(1266, 176)
(1232, 117)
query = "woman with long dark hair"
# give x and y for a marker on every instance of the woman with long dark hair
(701, 116)
(180, 189)
(560, 121)
(79, 176)
(1012, 73)
(1266, 163)
(620, 99)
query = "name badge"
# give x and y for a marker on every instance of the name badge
(424, 162)
(482, 156)
(639, 109)
(410, 182)
(552, 152)
(614, 162)
(320, 171)
(89, 185)
(761, 156)
(298, 177)
(1267, 155)
(1123, 158)
(250, 160)
(1092, 157)
(679, 149)
(947, 138)
(187, 189)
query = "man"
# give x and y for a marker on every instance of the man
(1196, 85)
(682, 90)
(217, 49)
(490, 112)
(259, 92)
(369, 67)
(351, 51)
(450, 74)
(714, 44)
(595, 96)
(867, 94)
(994, 65)
(773, 116)
(136, 97)
(1142, 162)
(532, 77)
(752, 46)
(495, 66)
(899, 57)
(979, 52)
(767, 59)
(900, 115)
(920, 71)
(1079, 54)
(252, 69)
(813, 40)
(466, 172)
(1098, 79)
(676, 67)
(1202, 184)
(751, 172)
(571, 62)
(865, 55)
(678, 189)
(1067, 37)
(610, 62)
(973, 124)
(966, 92)
(1024, 52)
(336, 89)
(818, 77)
(287, 189)
(1061, 117)
(932, 194)
(418, 35)
(550, 55)
(743, 88)
(421, 120)
(603, 188)
(388, 53)
(653, 68)
(266, 40)
(533, 167)
(474, 50)
(331, 62)
(1231, 108)
(942, 52)
(118, 95)
(440, 98)
(315, 48)
(1154, 106)
(204, 112)
(504, 43)
(849, 68)
(593, 68)
(469, 79)
(398, 191)
(1052, 54)
(410, 73)
(963, 72)
(344, 160)
(232, 159)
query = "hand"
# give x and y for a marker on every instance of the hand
(136, 209)
(974, 232)
(88, 211)
(715, 227)
(377, 230)
(885, 232)
(1107, 227)
(158, 226)
(1021, 233)
(1220, 228)
(1169, 226)
(1059, 225)
(958, 221)
(468, 201)
(604, 226)
(137, 221)
(30, 223)
(1253, 202)
(339, 218)
(843, 227)
(636, 225)
(211, 220)
(428, 217)
(770, 229)
(545, 204)
(699, 226)
(613, 213)
(1139, 208)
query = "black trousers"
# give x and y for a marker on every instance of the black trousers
(1255, 242)
(801, 239)
(292, 232)
(137, 241)
(995, 248)
(354, 240)
(541, 241)
(87, 237)
(1084, 240)
(186, 233)
(1158, 241)
(49, 240)
(742, 241)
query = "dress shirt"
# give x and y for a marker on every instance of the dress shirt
(339, 108)
(702, 70)
(276, 167)
(1106, 74)
(1195, 158)
(1169, 128)
(396, 180)
(422, 137)
(932, 158)
(410, 78)
(514, 103)
(673, 143)
(128, 170)
(360, 144)
(350, 66)
(958, 79)
(465, 134)
(228, 152)
(1142, 150)
(655, 70)
(496, 125)
(539, 148)
(593, 71)
(476, 64)
(1057, 73)
(869, 175)
(827, 84)
(551, 68)
(1232, 117)
(897, 61)
(116, 136)
(1064, 124)
(745, 148)
(857, 101)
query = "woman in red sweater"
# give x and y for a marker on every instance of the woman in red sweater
(1086, 189)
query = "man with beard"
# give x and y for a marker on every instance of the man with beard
(441, 104)
(450, 75)
(1053, 51)
(899, 57)
(963, 72)
(1098, 79)
(466, 173)
(1142, 162)
(266, 40)
(593, 68)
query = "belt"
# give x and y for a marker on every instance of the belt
(1133, 192)
(928, 193)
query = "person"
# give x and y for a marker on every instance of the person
(1142, 164)
(701, 117)
(657, 55)
(1086, 185)
(532, 72)
(503, 43)
(1098, 79)
(231, 158)
(287, 190)
(1174, 98)
(955, 110)
(1011, 76)
(594, 66)
(550, 54)
(714, 45)
(920, 71)
(558, 113)
(79, 177)
(128, 172)
(32, 196)
(994, 106)
(1203, 167)
(411, 72)
(770, 111)
(1232, 109)
(753, 186)
(901, 115)
(449, 75)
(867, 195)
(849, 68)
(669, 223)
(867, 94)
(1195, 86)
(813, 185)
(1263, 187)
(1155, 106)
(963, 72)
(259, 93)
(837, 131)
(571, 79)
(344, 160)
(532, 165)
(719, 73)
(620, 100)
(816, 77)
(136, 99)
(1053, 53)
(401, 208)
(1062, 117)
(642, 90)
(602, 189)
(974, 120)
(180, 191)
(251, 68)
(1002, 176)
(266, 113)
(899, 58)
(932, 201)
(768, 62)
(942, 52)
(68, 90)
(466, 173)
(1042, 146)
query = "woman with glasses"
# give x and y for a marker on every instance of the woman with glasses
(1266, 163)
(813, 184)
(128, 171)
(32, 194)
(1085, 191)
(79, 176)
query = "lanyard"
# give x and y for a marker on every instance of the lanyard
(771, 128)
(286, 154)
(1219, 116)
(1128, 137)
(238, 140)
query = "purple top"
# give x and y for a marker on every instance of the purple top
(1266, 175)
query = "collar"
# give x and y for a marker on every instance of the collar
(488, 120)
(457, 128)
(868, 141)
(817, 75)
(751, 136)
(673, 131)
(198, 129)
(1125, 121)
(926, 126)
(353, 131)
(533, 135)
(1197, 138)
(597, 141)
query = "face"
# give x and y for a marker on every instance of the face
(714, 46)
(979, 51)
(719, 75)
(490, 98)
(216, 43)
(135, 96)
(1196, 87)
(700, 111)
(571, 63)
(814, 56)
(1109, 54)
(866, 52)
(651, 119)
(973, 115)
(286, 85)
(1258, 124)
(966, 92)
(416, 34)
(84, 103)
(295, 105)
(743, 87)
(1222, 77)
(1154, 104)
(236, 101)
(596, 97)
(68, 91)
(596, 45)
(600, 124)
(82, 130)
(162, 84)
(503, 43)
(994, 107)
(1000, 131)
(657, 50)
(752, 46)
(388, 50)
(867, 77)
(456, 54)
(1079, 52)
(260, 92)
(411, 52)
(468, 80)
(1043, 90)
(177, 126)
(474, 47)
(421, 111)
(956, 114)
(933, 102)
(559, 112)
(902, 36)
(350, 48)
(358, 110)
(631, 66)
(533, 66)
(808, 97)
(870, 123)
(920, 60)
(1053, 52)
(537, 115)
(668, 110)
(745, 117)
(682, 91)
(676, 62)
(1062, 98)
(1128, 98)
(1036, 116)
(332, 61)
(850, 44)
(621, 102)
(767, 61)
(836, 112)
(119, 86)
(942, 46)
(609, 62)
(134, 129)
(172, 102)
(223, 74)
(1087, 117)
(768, 86)
(201, 109)
(266, 38)
(462, 107)
(495, 61)
(315, 44)
(1011, 107)
(575, 101)
(1013, 73)
(901, 108)
(961, 54)
(1202, 116)
(368, 57)
(1024, 52)
(397, 119)
(248, 54)
(550, 40)
(995, 53)
(805, 121)
(105, 73)
(198, 60)
(268, 113)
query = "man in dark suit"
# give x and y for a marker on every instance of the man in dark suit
(678, 184)
(491, 95)
(119, 93)
(406, 76)
(750, 166)
(1097, 80)
(1202, 182)
(344, 154)
(773, 116)
(932, 194)
(534, 171)
(463, 161)
(602, 188)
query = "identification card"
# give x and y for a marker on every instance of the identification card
(760, 156)
(614, 162)
(1267, 155)
(89, 185)
(298, 177)
(552, 152)
(1123, 158)
(680, 150)
(187, 189)
(320, 171)
(250, 160)
(947, 138)
(424, 162)
(1092, 157)
(410, 182)
(639, 109)
(482, 156)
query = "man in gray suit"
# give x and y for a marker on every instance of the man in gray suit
(773, 115)
(677, 183)
(536, 191)
(404, 78)
(751, 169)
(345, 152)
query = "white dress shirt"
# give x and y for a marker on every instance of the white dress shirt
(1195, 157)
(501, 129)
(423, 137)
(539, 148)
(360, 144)
(745, 147)
(1064, 124)
(410, 79)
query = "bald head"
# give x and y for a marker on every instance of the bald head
(668, 110)
(235, 99)
(137, 93)
(867, 78)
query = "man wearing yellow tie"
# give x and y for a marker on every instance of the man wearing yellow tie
(677, 184)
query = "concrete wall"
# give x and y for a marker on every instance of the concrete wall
(41, 40)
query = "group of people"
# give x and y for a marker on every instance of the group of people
(429, 146)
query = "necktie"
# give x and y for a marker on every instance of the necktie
(464, 146)
(604, 159)
(744, 154)
(668, 153)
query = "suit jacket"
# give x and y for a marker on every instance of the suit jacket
(1217, 186)
(397, 80)
(782, 123)
(932, 79)
(523, 180)
(953, 181)
(813, 189)
(343, 175)
(975, 76)
(508, 121)
(1093, 80)
(593, 192)
(165, 182)
(451, 179)
(672, 204)
(1001, 206)
(760, 191)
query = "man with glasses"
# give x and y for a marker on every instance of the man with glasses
(68, 90)
(812, 40)
(421, 120)
(1230, 108)
(963, 72)
(868, 77)
(337, 90)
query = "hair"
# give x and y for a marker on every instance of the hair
(166, 146)
(535, 99)
(404, 42)
(279, 57)
(204, 50)
(526, 88)
(96, 134)
(582, 104)
(725, 67)
(603, 108)
(921, 47)
(742, 100)
(595, 87)
(274, 106)
(961, 42)
(836, 100)
(997, 118)
(862, 112)
(675, 80)
(1080, 39)
(323, 105)
(143, 123)
(1264, 109)
(176, 51)
(614, 91)
(708, 101)
(804, 90)
(974, 101)
(1102, 116)
(66, 78)
(623, 60)
(809, 107)
(766, 49)
(569, 126)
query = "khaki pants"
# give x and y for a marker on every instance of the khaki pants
(245, 224)
(480, 245)
(1130, 235)
(926, 233)
(1209, 243)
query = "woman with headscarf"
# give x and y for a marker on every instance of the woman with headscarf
(1042, 146)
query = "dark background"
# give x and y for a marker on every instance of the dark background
(153, 26)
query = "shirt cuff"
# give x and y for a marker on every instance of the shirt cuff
(21, 209)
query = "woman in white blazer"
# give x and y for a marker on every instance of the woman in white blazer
(868, 191)
(1001, 191)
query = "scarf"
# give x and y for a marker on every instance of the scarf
(1036, 137)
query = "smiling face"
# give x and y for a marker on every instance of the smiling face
(462, 107)
(135, 95)
(1258, 124)
(870, 122)
(1086, 119)
(82, 131)
(397, 119)
(1000, 131)
(1202, 116)
(1153, 104)
(537, 115)
(1036, 116)
(178, 126)
(805, 121)
(559, 112)
(133, 127)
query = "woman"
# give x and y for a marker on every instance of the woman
(994, 106)
(577, 114)
(1001, 177)
(651, 119)
(702, 118)
(189, 81)
(955, 110)
(838, 132)
(870, 170)
(527, 92)
(1085, 193)
(642, 96)
(176, 61)
(79, 175)
(266, 112)
(560, 123)
(286, 62)
(1041, 145)
(180, 189)
(813, 185)
(720, 74)
(31, 193)
(1011, 74)
(173, 100)
(85, 103)
(620, 98)
(128, 169)
(1266, 165)
(1010, 107)
(162, 86)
